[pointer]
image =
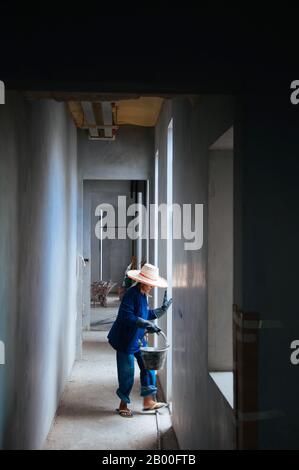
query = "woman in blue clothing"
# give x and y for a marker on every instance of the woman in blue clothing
(134, 319)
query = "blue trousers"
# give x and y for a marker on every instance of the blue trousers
(125, 373)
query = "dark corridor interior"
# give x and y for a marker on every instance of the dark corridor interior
(139, 108)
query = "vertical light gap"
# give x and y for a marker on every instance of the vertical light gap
(169, 250)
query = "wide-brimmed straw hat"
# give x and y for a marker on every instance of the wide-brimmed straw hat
(148, 274)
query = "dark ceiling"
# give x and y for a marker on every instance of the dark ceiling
(198, 52)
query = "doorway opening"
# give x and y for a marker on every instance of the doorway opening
(108, 258)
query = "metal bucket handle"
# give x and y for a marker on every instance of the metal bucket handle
(163, 336)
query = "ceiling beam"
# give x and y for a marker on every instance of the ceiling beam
(89, 118)
(107, 117)
(88, 96)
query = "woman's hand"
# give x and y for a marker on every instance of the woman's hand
(148, 325)
(165, 306)
(166, 303)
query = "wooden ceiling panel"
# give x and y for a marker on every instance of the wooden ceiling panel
(143, 111)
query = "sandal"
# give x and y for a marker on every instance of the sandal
(156, 406)
(125, 413)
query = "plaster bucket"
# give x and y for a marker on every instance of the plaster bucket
(154, 358)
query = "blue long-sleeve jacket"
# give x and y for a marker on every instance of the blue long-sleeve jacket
(124, 335)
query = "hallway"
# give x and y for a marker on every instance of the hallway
(212, 233)
(58, 188)
(86, 418)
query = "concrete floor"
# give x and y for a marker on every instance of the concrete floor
(86, 418)
(101, 318)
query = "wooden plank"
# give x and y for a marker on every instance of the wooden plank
(246, 377)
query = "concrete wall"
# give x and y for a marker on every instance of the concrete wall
(10, 131)
(202, 417)
(267, 256)
(220, 260)
(129, 157)
(38, 284)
